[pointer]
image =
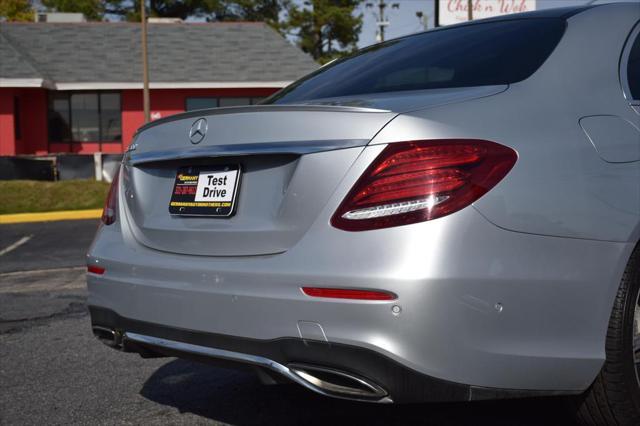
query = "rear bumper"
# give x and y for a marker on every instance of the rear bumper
(450, 274)
(288, 356)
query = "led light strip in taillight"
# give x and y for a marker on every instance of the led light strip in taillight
(395, 208)
(416, 181)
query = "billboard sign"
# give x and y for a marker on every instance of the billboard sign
(455, 11)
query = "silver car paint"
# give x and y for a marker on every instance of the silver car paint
(266, 124)
(615, 138)
(481, 304)
(559, 186)
(276, 205)
(409, 101)
(281, 195)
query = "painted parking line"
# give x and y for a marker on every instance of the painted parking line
(50, 216)
(15, 245)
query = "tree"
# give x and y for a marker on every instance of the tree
(93, 10)
(130, 10)
(322, 26)
(212, 10)
(16, 10)
(257, 10)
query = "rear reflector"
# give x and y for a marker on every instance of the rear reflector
(416, 181)
(93, 269)
(344, 293)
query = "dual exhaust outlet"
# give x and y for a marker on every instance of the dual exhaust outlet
(323, 380)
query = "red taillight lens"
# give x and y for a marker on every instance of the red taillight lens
(111, 203)
(93, 269)
(416, 181)
(347, 293)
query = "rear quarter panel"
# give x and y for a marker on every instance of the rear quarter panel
(559, 186)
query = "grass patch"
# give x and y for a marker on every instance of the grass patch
(30, 196)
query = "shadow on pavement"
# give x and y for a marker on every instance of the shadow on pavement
(238, 398)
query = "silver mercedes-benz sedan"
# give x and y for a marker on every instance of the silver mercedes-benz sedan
(448, 216)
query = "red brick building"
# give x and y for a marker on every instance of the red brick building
(76, 88)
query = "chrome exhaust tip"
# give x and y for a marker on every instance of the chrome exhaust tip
(107, 336)
(339, 383)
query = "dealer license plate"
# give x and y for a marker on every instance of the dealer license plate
(205, 191)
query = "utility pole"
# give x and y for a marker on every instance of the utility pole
(145, 64)
(424, 19)
(470, 10)
(381, 23)
(436, 13)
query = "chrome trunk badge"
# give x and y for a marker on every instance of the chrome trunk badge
(198, 130)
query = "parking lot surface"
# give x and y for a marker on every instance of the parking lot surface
(45, 245)
(53, 371)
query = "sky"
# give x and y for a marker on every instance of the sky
(403, 21)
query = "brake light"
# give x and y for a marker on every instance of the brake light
(417, 181)
(111, 203)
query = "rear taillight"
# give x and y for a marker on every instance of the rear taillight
(93, 269)
(416, 181)
(111, 203)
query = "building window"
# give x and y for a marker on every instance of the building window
(205, 103)
(110, 117)
(85, 117)
(231, 102)
(16, 118)
(201, 103)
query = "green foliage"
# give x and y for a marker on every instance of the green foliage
(130, 10)
(16, 10)
(211, 10)
(326, 29)
(24, 196)
(93, 10)
(257, 10)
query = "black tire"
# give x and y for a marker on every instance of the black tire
(614, 397)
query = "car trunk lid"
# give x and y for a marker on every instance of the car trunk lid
(291, 159)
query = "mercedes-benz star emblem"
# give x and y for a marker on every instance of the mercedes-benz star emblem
(198, 130)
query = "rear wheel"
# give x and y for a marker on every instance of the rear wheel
(614, 397)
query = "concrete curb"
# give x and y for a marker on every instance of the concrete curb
(50, 216)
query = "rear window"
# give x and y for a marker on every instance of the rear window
(491, 53)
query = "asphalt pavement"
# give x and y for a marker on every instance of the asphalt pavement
(45, 245)
(53, 371)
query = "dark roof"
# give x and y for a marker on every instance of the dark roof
(183, 53)
(13, 64)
